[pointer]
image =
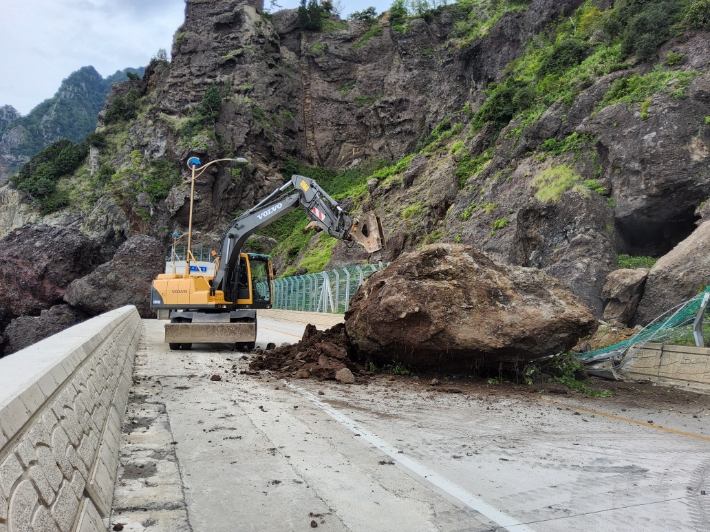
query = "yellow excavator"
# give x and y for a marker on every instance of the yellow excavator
(222, 308)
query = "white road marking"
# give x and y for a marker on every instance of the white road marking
(456, 491)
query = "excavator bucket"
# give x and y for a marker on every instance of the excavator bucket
(367, 231)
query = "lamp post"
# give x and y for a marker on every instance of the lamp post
(193, 163)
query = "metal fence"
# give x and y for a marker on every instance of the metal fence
(329, 291)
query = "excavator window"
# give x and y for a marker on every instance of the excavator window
(261, 280)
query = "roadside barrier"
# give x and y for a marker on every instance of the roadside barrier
(62, 404)
(328, 291)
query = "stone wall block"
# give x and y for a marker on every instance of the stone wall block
(100, 487)
(71, 427)
(48, 384)
(13, 416)
(89, 518)
(65, 509)
(22, 503)
(49, 466)
(60, 449)
(43, 521)
(85, 452)
(33, 398)
(3, 505)
(26, 453)
(10, 472)
(39, 479)
(78, 483)
(40, 433)
(76, 462)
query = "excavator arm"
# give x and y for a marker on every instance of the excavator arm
(302, 192)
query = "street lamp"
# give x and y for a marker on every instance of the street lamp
(193, 163)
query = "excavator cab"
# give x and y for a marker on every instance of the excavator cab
(255, 280)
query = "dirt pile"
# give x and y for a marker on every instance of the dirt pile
(319, 354)
(451, 308)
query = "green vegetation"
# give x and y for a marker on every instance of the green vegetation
(366, 15)
(477, 17)
(594, 186)
(574, 142)
(552, 183)
(365, 100)
(161, 177)
(631, 263)
(637, 88)
(673, 59)
(565, 370)
(40, 175)
(311, 14)
(374, 31)
(469, 166)
(501, 223)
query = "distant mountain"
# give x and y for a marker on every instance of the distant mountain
(8, 114)
(70, 114)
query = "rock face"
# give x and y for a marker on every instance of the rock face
(569, 240)
(622, 292)
(677, 276)
(38, 263)
(124, 280)
(27, 330)
(451, 307)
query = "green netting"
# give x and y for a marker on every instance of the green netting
(674, 326)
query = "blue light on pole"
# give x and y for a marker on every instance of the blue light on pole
(193, 162)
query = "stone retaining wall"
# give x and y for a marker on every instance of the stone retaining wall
(676, 365)
(62, 403)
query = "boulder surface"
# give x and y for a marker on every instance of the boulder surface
(124, 280)
(27, 330)
(677, 276)
(39, 262)
(450, 307)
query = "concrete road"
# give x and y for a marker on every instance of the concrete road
(252, 452)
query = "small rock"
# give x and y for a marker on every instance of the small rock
(391, 378)
(345, 376)
(321, 392)
(270, 346)
(434, 382)
(302, 374)
(118, 526)
(323, 361)
(216, 378)
(314, 524)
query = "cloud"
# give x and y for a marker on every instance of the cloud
(43, 41)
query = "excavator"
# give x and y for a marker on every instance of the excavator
(222, 308)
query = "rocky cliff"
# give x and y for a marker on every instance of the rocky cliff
(559, 135)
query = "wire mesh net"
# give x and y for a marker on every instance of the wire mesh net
(328, 291)
(684, 324)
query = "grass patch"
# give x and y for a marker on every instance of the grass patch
(631, 263)
(552, 183)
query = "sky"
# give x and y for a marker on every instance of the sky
(43, 41)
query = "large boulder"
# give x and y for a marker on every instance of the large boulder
(124, 280)
(38, 263)
(622, 291)
(27, 330)
(450, 307)
(677, 276)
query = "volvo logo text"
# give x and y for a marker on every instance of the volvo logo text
(269, 211)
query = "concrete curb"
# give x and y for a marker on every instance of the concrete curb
(62, 403)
